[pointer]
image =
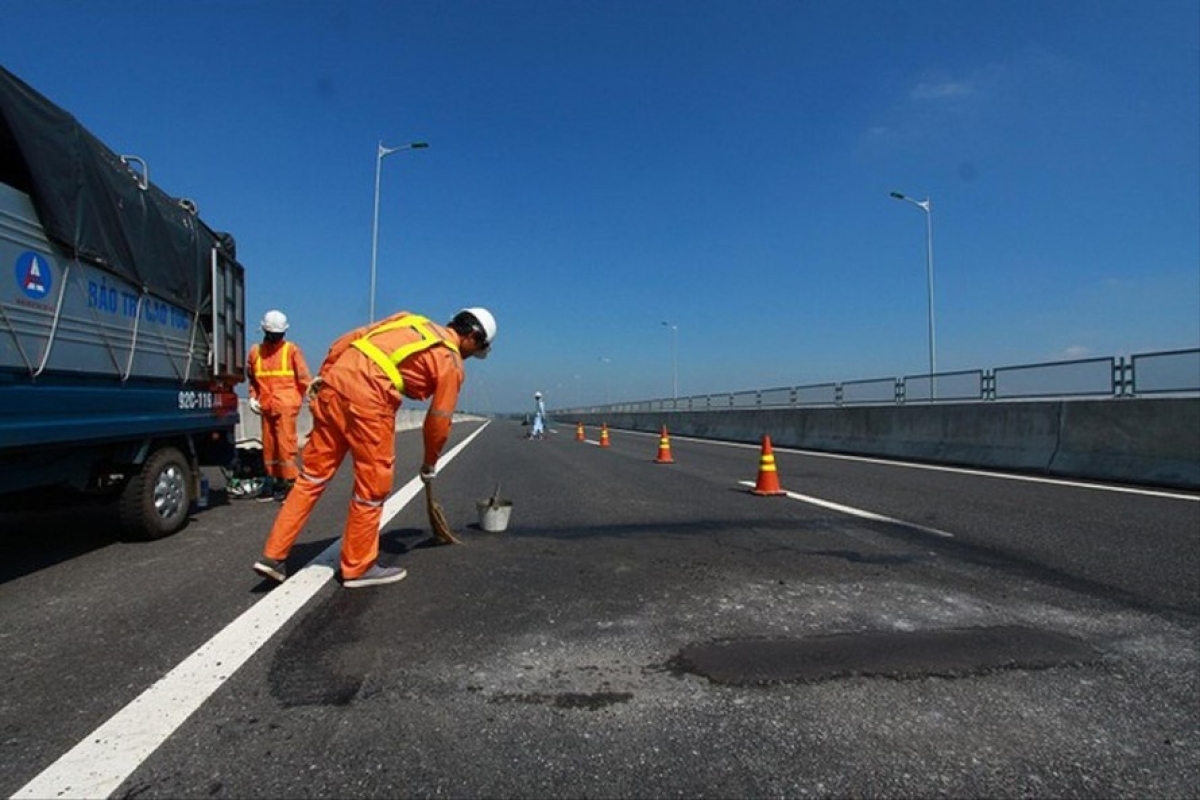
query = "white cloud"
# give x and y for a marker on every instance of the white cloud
(1077, 351)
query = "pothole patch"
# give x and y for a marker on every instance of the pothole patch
(592, 701)
(952, 653)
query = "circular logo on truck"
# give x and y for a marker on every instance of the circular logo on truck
(34, 275)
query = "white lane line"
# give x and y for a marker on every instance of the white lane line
(108, 755)
(1007, 476)
(858, 512)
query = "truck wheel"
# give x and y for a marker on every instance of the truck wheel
(154, 503)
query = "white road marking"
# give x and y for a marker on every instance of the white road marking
(858, 512)
(1007, 476)
(98, 765)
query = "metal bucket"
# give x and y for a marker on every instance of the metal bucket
(494, 514)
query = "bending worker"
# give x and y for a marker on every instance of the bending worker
(354, 400)
(278, 378)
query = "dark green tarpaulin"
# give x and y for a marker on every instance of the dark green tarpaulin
(93, 205)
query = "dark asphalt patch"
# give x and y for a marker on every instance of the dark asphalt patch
(590, 702)
(892, 654)
(325, 659)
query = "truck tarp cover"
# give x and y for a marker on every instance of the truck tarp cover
(92, 205)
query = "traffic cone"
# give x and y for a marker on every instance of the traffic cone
(579, 437)
(664, 448)
(604, 435)
(768, 478)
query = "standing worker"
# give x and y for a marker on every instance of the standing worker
(354, 400)
(539, 417)
(279, 379)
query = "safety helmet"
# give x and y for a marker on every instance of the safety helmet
(537, 395)
(274, 322)
(487, 323)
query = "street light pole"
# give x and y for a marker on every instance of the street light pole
(379, 154)
(674, 359)
(926, 206)
(607, 380)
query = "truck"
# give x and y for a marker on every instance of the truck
(122, 327)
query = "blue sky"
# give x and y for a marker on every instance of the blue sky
(598, 168)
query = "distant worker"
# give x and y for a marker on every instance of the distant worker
(539, 417)
(279, 379)
(354, 400)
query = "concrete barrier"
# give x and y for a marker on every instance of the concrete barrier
(249, 429)
(1148, 441)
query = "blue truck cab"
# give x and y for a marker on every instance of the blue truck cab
(122, 326)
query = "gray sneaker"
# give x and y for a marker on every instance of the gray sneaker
(375, 576)
(270, 568)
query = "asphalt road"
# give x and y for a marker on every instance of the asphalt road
(641, 630)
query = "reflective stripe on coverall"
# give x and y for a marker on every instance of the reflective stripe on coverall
(279, 377)
(365, 375)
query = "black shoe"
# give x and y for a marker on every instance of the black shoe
(267, 493)
(270, 568)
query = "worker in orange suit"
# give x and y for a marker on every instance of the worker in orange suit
(354, 400)
(279, 378)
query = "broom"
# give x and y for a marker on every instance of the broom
(437, 518)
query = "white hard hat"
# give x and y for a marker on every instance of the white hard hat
(537, 394)
(486, 320)
(274, 322)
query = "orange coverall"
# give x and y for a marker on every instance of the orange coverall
(354, 411)
(279, 377)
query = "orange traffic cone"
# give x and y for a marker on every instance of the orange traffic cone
(604, 435)
(664, 448)
(579, 437)
(768, 478)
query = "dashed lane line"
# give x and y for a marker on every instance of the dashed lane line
(858, 512)
(1007, 476)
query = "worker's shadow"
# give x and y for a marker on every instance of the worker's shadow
(399, 541)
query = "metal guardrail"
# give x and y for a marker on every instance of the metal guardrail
(1160, 373)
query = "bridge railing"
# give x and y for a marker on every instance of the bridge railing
(1151, 374)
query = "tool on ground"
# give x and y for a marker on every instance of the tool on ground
(768, 477)
(437, 518)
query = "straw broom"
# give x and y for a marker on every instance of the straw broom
(437, 518)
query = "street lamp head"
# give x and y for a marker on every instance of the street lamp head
(387, 151)
(921, 204)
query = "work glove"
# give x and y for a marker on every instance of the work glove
(255, 406)
(313, 388)
(427, 474)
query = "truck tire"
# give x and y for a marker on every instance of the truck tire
(155, 502)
